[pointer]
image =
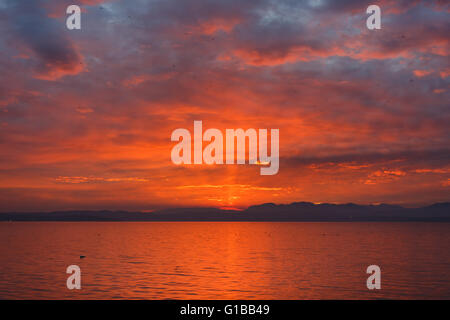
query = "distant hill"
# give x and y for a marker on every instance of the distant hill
(297, 211)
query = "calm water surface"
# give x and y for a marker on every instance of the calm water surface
(230, 260)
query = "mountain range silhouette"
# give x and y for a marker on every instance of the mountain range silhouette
(297, 211)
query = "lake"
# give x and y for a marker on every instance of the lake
(224, 260)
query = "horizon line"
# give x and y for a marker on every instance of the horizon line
(239, 209)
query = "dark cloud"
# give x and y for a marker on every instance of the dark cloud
(54, 54)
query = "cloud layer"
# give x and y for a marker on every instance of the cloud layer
(86, 115)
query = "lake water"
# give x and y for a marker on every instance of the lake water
(229, 260)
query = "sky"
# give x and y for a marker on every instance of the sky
(86, 115)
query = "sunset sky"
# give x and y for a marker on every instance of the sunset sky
(86, 115)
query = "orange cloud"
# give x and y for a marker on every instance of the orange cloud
(421, 73)
(77, 180)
